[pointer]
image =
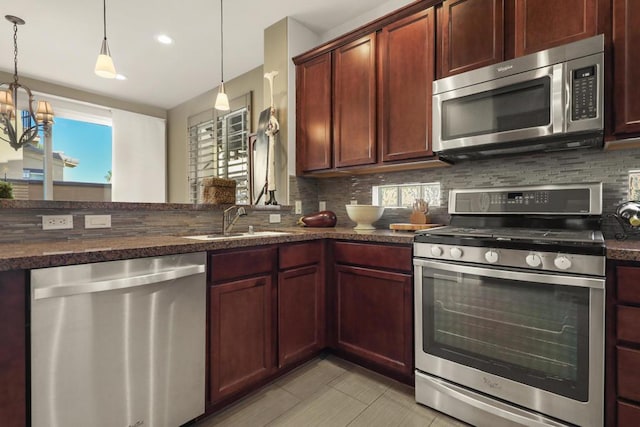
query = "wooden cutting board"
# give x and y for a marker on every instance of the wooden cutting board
(412, 227)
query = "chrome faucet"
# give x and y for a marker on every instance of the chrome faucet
(229, 218)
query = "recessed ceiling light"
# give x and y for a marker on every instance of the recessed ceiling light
(164, 39)
(121, 77)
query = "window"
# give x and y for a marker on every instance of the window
(403, 195)
(218, 148)
(81, 141)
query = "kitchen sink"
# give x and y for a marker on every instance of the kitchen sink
(220, 236)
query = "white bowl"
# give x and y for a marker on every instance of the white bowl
(364, 215)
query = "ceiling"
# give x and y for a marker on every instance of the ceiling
(61, 40)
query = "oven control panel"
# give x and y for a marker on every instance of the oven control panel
(593, 265)
(561, 200)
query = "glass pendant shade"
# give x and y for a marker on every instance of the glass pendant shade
(222, 100)
(104, 64)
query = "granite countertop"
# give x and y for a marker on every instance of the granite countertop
(80, 251)
(623, 250)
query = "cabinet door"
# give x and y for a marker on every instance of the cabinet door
(301, 313)
(354, 114)
(471, 35)
(13, 357)
(406, 75)
(374, 317)
(542, 24)
(626, 36)
(313, 114)
(240, 343)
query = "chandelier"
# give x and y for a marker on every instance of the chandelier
(30, 123)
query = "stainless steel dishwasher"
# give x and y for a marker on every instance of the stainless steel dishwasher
(119, 343)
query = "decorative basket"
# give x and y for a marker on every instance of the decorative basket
(219, 191)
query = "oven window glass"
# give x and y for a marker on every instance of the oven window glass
(532, 333)
(519, 106)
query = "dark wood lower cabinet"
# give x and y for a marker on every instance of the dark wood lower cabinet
(13, 342)
(240, 343)
(301, 314)
(373, 312)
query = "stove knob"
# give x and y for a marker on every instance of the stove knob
(491, 256)
(455, 253)
(533, 260)
(436, 250)
(562, 262)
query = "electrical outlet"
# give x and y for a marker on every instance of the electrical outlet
(57, 222)
(274, 218)
(298, 209)
(97, 221)
(354, 202)
(322, 205)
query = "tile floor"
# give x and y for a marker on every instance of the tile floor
(331, 392)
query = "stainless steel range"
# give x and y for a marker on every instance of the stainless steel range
(509, 306)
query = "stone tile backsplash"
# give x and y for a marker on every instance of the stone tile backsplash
(22, 222)
(563, 167)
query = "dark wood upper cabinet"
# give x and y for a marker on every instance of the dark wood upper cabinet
(13, 344)
(354, 102)
(470, 35)
(406, 73)
(542, 24)
(626, 36)
(313, 110)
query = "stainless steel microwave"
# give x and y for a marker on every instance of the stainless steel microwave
(549, 100)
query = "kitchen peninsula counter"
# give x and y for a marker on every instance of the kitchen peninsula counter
(15, 256)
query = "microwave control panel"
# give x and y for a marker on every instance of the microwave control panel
(585, 93)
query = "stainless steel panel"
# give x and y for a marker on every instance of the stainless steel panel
(474, 408)
(592, 265)
(595, 194)
(586, 414)
(554, 73)
(123, 357)
(540, 59)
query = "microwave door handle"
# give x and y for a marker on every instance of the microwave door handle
(559, 93)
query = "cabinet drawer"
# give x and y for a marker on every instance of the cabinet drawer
(241, 263)
(299, 254)
(628, 284)
(628, 414)
(627, 327)
(629, 373)
(377, 256)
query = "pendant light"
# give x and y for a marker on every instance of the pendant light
(222, 100)
(104, 64)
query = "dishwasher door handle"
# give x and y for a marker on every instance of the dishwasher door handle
(126, 282)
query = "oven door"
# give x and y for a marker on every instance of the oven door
(533, 339)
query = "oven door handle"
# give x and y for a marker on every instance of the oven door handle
(546, 278)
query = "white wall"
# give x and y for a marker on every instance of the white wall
(139, 158)
(363, 19)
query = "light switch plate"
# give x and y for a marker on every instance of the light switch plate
(97, 221)
(322, 205)
(298, 209)
(57, 222)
